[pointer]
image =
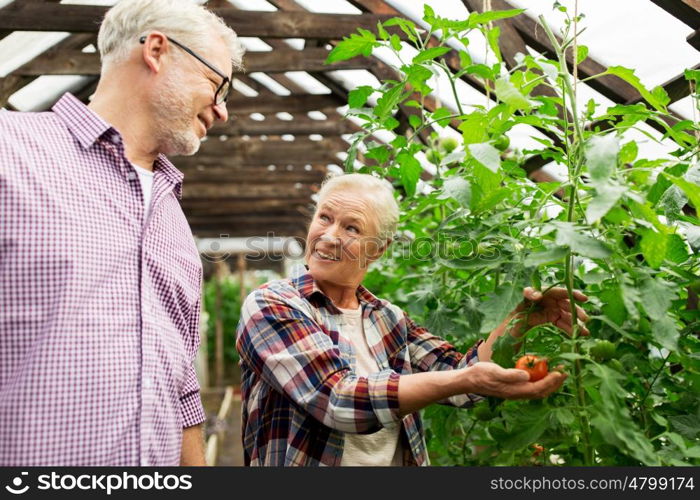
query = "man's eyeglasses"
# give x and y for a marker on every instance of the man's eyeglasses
(224, 89)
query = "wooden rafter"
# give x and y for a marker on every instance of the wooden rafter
(40, 16)
(76, 62)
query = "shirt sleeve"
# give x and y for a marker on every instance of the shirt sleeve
(431, 353)
(293, 354)
(190, 399)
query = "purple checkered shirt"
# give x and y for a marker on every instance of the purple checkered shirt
(99, 308)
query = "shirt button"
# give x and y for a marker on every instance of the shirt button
(131, 176)
(147, 383)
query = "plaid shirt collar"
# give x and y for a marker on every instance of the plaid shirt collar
(308, 288)
(87, 127)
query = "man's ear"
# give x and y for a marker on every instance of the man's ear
(155, 45)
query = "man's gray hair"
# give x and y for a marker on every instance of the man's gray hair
(381, 197)
(184, 20)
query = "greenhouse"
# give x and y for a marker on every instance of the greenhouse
(542, 161)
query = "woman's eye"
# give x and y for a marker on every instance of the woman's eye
(324, 218)
(353, 229)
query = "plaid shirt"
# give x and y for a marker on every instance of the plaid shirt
(99, 308)
(299, 388)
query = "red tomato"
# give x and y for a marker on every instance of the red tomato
(535, 366)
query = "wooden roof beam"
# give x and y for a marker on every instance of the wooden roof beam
(240, 105)
(76, 62)
(238, 190)
(271, 125)
(218, 206)
(40, 16)
(686, 11)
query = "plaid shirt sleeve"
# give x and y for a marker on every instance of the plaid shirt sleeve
(431, 353)
(291, 352)
(190, 400)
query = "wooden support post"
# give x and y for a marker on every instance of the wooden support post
(242, 264)
(219, 274)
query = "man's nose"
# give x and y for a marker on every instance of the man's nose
(221, 112)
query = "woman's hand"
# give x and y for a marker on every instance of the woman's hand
(490, 379)
(552, 306)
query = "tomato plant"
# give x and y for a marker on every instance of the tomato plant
(621, 227)
(535, 366)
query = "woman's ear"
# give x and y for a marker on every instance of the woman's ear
(380, 248)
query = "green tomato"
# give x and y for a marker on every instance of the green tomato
(501, 142)
(616, 365)
(434, 156)
(566, 347)
(448, 144)
(483, 412)
(603, 350)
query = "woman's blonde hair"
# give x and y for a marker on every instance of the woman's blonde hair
(381, 197)
(184, 20)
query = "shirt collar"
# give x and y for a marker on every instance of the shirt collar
(87, 126)
(307, 286)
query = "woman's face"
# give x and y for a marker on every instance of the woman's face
(343, 239)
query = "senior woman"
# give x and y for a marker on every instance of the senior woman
(332, 375)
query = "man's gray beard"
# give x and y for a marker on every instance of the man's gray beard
(174, 131)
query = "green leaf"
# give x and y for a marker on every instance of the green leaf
(408, 27)
(506, 92)
(382, 32)
(614, 422)
(480, 70)
(605, 198)
(676, 251)
(656, 297)
(691, 190)
(410, 171)
(387, 102)
(356, 44)
(492, 37)
(497, 307)
(486, 155)
(441, 115)
(628, 75)
(581, 53)
(549, 256)
(628, 152)
(395, 42)
(458, 189)
(358, 96)
(613, 306)
(686, 425)
(653, 246)
(665, 333)
(379, 153)
(430, 54)
(582, 244)
(414, 121)
(417, 75)
(692, 75)
(494, 15)
(474, 128)
(504, 350)
(601, 157)
(528, 428)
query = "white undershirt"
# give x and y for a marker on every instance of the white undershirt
(146, 180)
(382, 447)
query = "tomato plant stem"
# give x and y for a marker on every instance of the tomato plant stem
(574, 157)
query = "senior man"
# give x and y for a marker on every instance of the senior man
(100, 277)
(332, 375)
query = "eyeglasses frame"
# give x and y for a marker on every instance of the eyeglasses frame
(226, 79)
